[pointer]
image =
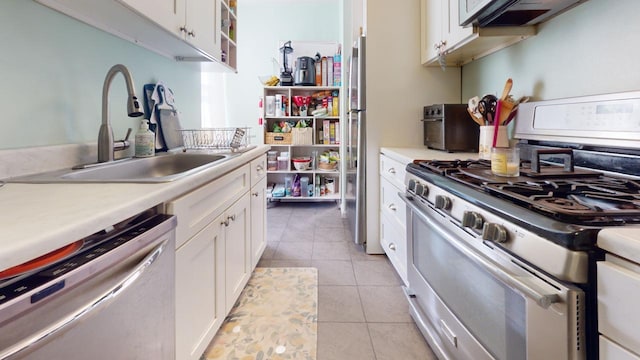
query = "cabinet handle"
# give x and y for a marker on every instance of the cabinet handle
(183, 29)
(393, 207)
(392, 170)
(392, 246)
(255, 194)
(259, 169)
(225, 223)
(192, 33)
(231, 217)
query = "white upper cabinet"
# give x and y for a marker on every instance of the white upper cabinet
(202, 24)
(170, 14)
(445, 42)
(178, 29)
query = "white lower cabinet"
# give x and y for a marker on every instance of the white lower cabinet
(258, 220)
(214, 256)
(258, 209)
(200, 301)
(393, 233)
(618, 315)
(236, 230)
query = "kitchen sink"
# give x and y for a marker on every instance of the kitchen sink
(159, 168)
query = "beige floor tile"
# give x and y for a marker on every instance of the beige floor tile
(375, 273)
(301, 223)
(399, 341)
(334, 272)
(358, 253)
(384, 304)
(297, 235)
(339, 303)
(270, 250)
(290, 263)
(293, 251)
(264, 263)
(344, 341)
(330, 251)
(274, 233)
(330, 234)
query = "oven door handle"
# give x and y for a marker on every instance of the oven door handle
(543, 300)
(106, 298)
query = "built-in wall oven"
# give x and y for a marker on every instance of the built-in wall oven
(473, 301)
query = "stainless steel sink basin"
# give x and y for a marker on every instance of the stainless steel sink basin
(161, 168)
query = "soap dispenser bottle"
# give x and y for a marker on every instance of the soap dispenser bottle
(145, 140)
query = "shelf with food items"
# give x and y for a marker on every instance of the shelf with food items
(303, 187)
(301, 101)
(315, 172)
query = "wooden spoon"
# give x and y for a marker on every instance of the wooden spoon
(507, 89)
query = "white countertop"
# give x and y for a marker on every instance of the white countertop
(622, 241)
(38, 218)
(407, 155)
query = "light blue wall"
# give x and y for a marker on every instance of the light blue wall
(263, 23)
(52, 69)
(591, 49)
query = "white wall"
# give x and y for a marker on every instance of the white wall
(398, 87)
(261, 24)
(51, 72)
(590, 49)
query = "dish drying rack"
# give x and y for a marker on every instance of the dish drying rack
(228, 139)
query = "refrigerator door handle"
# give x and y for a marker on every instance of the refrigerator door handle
(349, 144)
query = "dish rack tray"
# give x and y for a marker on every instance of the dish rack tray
(233, 139)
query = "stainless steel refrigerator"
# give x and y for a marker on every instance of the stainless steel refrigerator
(355, 197)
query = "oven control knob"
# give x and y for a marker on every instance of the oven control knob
(494, 232)
(425, 191)
(442, 202)
(419, 189)
(472, 220)
(412, 185)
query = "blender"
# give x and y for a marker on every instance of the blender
(286, 79)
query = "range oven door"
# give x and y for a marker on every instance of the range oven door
(474, 302)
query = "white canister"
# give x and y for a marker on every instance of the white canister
(279, 105)
(271, 105)
(485, 142)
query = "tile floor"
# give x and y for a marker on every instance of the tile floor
(362, 313)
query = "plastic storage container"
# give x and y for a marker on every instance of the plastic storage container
(288, 184)
(304, 186)
(283, 163)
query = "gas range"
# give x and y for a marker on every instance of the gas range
(530, 237)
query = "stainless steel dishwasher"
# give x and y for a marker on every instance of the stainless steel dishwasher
(108, 296)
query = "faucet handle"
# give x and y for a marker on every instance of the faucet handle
(126, 137)
(122, 144)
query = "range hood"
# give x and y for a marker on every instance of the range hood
(485, 13)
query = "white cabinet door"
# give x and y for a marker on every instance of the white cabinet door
(169, 14)
(237, 231)
(258, 220)
(203, 25)
(618, 289)
(454, 34)
(612, 351)
(200, 301)
(431, 25)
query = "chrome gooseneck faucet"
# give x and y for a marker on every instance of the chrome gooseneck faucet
(106, 145)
